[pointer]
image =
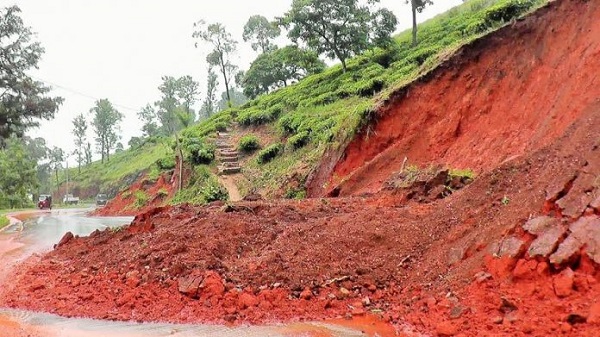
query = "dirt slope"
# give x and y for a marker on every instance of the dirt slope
(458, 266)
(257, 262)
(502, 96)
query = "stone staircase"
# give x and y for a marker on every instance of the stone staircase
(227, 155)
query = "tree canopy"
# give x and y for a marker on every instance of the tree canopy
(223, 46)
(278, 68)
(79, 131)
(106, 126)
(23, 101)
(260, 33)
(18, 174)
(338, 28)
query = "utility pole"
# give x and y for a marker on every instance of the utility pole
(67, 176)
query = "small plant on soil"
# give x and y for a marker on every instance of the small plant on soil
(505, 200)
(3, 221)
(298, 141)
(467, 173)
(270, 153)
(249, 143)
(298, 194)
(162, 193)
(141, 199)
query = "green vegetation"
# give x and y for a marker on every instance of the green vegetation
(24, 101)
(320, 111)
(4, 221)
(298, 141)
(249, 143)
(269, 153)
(162, 193)
(141, 199)
(467, 173)
(327, 109)
(123, 166)
(204, 187)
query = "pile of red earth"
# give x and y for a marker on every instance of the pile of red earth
(515, 252)
(315, 259)
(143, 195)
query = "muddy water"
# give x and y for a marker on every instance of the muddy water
(40, 232)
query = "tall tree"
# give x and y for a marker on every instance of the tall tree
(57, 156)
(106, 126)
(208, 105)
(260, 33)
(17, 174)
(417, 6)
(149, 117)
(223, 47)
(39, 152)
(278, 68)
(338, 28)
(23, 101)
(237, 98)
(177, 94)
(79, 130)
(187, 92)
(88, 153)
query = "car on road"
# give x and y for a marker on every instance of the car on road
(101, 199)
(69, 199)
(45, 201)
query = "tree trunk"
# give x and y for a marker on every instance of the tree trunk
(414, 18)
(57, 186)
(180, 160)
(224, 71)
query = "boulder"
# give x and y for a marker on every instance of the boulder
(539, 225)
(547, 242)
(584, 232)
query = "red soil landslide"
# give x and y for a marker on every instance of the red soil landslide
(514, 253)
(502, 96)
(124, 204)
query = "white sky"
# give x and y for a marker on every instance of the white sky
(119, 49)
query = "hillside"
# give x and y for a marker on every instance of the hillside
(420, 244)
(300, 127)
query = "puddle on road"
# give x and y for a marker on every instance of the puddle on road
(47, 325)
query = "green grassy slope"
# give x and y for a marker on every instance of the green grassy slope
(319, 112)
(118, 172)
(327, 109)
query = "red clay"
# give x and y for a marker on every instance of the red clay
(502, 96)
(404, 261)
(124, 204)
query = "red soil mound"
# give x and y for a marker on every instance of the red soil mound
(385, 254)
(323, 258)
(126, 203)
(502, 96)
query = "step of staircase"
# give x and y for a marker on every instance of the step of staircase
(227, 155)
(229, 159)
(229, 170)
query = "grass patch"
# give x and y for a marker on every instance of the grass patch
(269, 153)
(111, 175)
(4, 221)
(249, 143)
(204, 187)
(141, 199)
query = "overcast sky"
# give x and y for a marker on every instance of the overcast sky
(119, 49)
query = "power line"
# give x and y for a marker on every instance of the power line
(76, 92)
